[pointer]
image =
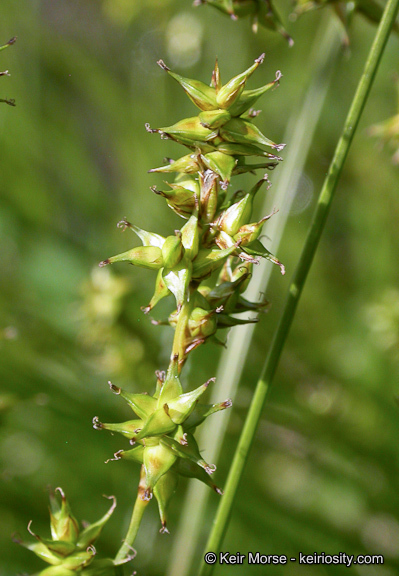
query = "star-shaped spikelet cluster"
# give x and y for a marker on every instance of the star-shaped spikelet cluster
(162, 435)
(71, 551)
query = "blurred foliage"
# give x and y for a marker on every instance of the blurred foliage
(323, 475)
(388, 131)
(345, 10)
(263, 12)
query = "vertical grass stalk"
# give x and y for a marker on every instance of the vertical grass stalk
(298, 281)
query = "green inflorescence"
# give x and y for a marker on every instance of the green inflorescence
(71, 551)
(205, 266)
(163, 437)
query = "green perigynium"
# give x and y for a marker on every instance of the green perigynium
(204, 267)
(71, 551)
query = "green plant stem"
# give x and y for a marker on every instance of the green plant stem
(135, 521)
(298, 281)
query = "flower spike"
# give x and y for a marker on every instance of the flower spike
(165, 434)
(205, 267)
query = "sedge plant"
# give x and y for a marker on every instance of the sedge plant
(204, 268)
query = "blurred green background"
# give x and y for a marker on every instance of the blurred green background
(323, 474)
